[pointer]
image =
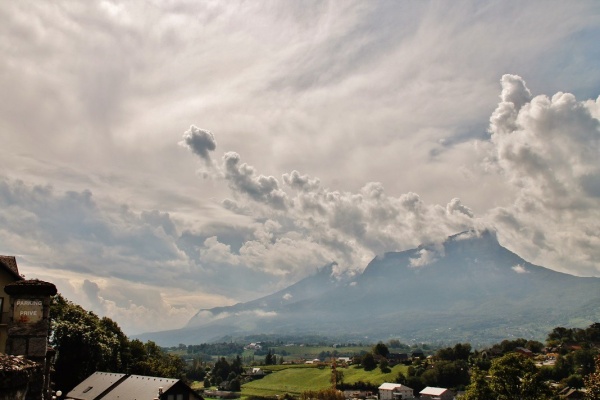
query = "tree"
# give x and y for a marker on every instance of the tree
(381, 349)
(384, 366)
(82, 342)
(368, 362)
(235, 385)
(592, 382)
(337, 377)
(323, 394)
(479, 388)
(462, 351)
(400, 378)
(85, 343)
(269, 358)
(516, 377)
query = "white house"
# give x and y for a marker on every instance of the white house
(436, 393)
(395, 391)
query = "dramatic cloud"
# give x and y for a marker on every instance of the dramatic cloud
(345, 130)
(547, 148)
(200, 142)
(243, 180)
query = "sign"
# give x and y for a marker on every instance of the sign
(28, 311)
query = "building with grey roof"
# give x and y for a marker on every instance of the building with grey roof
(108, 386)
(96, 385)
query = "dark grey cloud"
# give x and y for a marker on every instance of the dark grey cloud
(201, 142)
(243, 179)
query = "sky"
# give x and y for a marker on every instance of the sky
(162, 157)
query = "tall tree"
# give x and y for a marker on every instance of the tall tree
(269, 358)
(368, 362)
(381, 349)
(82, 342)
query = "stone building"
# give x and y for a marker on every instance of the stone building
(9, 273)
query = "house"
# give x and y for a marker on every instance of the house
(436, 393)
(106, 386)
(9, 273)
(418, 353)
(524, 351)
(95, 386)
(392, 391)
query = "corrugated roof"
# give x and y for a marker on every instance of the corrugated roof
(137, 387)
(434, 391)
(10, 264)
(95, 385)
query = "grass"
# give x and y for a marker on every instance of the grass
(289, 380)
(295, 379)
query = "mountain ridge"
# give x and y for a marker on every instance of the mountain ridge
(468, 288)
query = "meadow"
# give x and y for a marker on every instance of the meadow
(295, 379)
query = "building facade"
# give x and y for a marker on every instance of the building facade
(9, 273)
(395, 391)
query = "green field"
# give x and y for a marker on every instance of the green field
(295, 379)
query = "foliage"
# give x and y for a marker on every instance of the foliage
(479, 388)
(216, 349)
(381, 349)
(151, 360)
(508, 346)
(561, 335)
(384, 366)
(368, 362)
(337, 377)
(592, 382)
(86, 343)
(461, 351)
(396, 344)
(516, 377)
(323, 394)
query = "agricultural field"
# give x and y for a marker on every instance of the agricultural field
(295, 379)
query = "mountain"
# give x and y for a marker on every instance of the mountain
(469, 288)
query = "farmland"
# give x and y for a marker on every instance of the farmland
(294, 379)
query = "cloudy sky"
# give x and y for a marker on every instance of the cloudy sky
(160, 157)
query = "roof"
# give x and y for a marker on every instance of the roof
(141, 387)
(106, 386)
(434, 391)
(524, 350)
(9, 263)
(392, 386)
(95, 385)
